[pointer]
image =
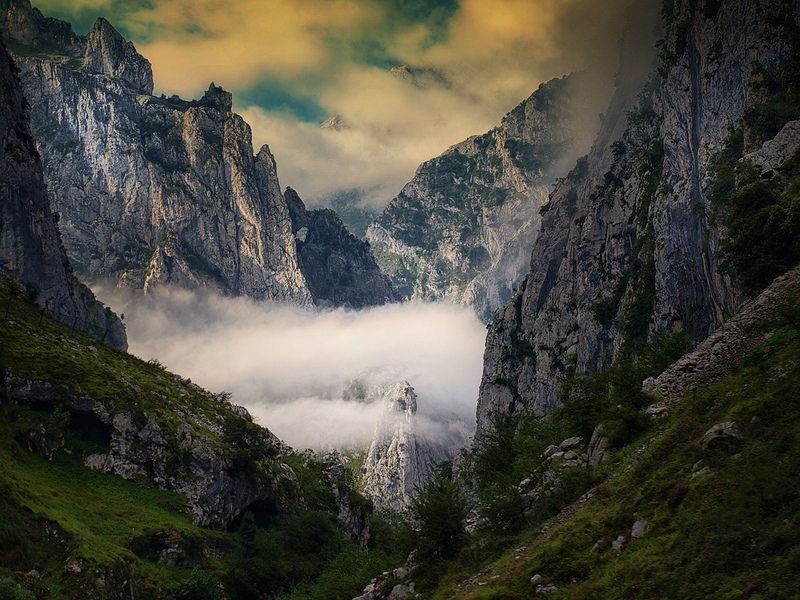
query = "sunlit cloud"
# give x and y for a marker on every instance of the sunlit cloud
(291, 62)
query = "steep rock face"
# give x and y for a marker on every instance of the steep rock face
(626, 248)
(30, 243)
(150, 190)
(339, 268)
(721, 352)
(400, 456)
(186, 457)
(462, 229)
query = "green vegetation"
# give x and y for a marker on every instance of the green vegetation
(87, 533)
(439, 509)
(761, 217)
(732, 533)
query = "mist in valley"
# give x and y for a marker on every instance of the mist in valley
(311, 376)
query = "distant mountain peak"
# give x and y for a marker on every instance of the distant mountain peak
(333, 123)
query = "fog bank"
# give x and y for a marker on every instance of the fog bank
(293, 368)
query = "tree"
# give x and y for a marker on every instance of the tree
(438, 510)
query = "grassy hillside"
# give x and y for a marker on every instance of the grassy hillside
(732, 531)
(67, 531)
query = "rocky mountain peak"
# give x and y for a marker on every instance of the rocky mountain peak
(627, 249)
(216, 97)
(401, 454)
(25, 26)
(339, 269)
(30, 243)
(333, 123)
(110, 53)
(400, 400)
(463, 228)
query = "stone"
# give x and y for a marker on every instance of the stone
(100, 462)
(722, 437)
(570, 443)
(550, 450)
(777, 153)
(657, 409)
(597, 452)
(546, 588)
(618, 543)
(702, 472)
(399, 592)
(400, 573)
(73, 566)
(637, 530)
(536, 579)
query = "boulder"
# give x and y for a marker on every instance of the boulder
(722, 437)
(597, 453)
(638, 528)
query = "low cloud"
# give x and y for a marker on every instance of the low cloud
(291, 368)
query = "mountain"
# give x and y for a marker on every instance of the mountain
(151, 190)
(121, 479)
(462, 229)
(356, 214)
(401, 455)
(648, 235)
(339, 269)
(701, 504)
(30, 243)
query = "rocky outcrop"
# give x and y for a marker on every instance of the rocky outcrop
(30, 243)
(401, 455)
(151, 190)
(716, 356)
(185, 456)
(352, 509)
(626, 248)
(339, 268)
(462, 229)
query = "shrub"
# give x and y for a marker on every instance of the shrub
(199, 585)
(9, 590)
(763, 224)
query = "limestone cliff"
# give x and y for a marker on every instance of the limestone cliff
(627, 248)
(151, 190)
(339, 268)
(402, 453)
(30, 244)
(462, 229)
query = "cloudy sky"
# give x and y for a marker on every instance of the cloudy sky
(293, 63)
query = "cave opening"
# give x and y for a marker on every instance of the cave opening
(264, 511)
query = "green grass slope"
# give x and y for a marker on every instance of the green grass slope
(731, 533)
(69, 532)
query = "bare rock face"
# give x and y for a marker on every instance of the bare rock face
(462, 229)
(188, 458)
(109, 53)
(721, 352)
(339, 268)
(30, 243)
(400, 456)
(626, 248)
(150, 190)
